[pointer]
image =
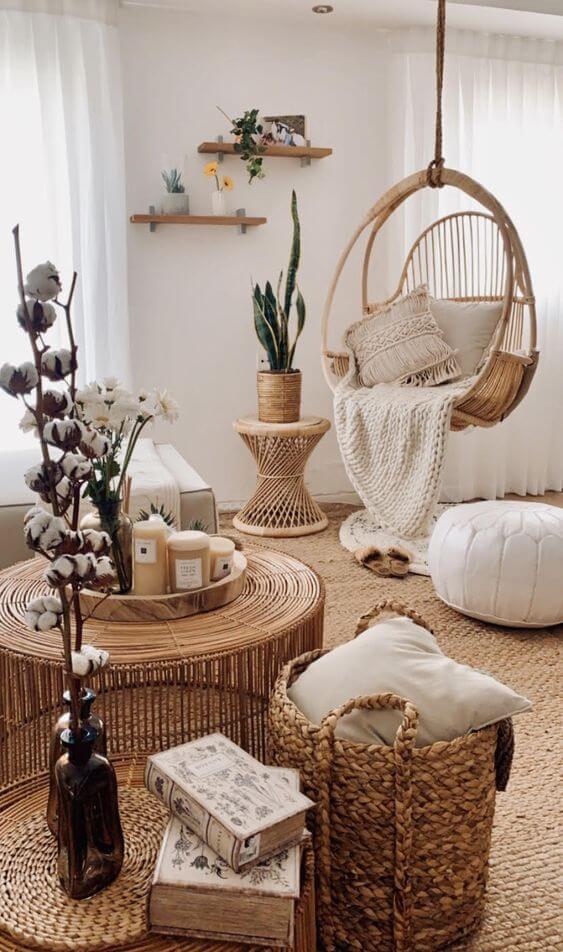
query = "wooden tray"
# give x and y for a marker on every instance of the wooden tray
(140, 608)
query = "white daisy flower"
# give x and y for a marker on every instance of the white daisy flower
(28, 423)
(165, 406)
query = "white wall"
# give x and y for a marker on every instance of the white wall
(189, 288)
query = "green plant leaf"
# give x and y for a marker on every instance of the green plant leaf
(294, 255)
(301, 312)
(264, 331)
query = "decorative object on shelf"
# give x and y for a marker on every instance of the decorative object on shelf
(211, 672)
(188, 560)
(500, 562)
(222, 185)
(91, 843)
(240, 219)
(248, 141)
(175, 201)
(90, 720)
(279, 389)
(425, 857)
(76, 558)
(117, 918)
(150, 566)
(284, 130)
(120, 417)
(281, 504)
(200, 783)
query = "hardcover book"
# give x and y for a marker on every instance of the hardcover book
(196, 893)
(243, 810)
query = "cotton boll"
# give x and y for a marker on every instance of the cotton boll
(20, 380)
(85, 566)
(28, 423)
(57, 364)
(97, 542)
(37, 512)
(70, 543)
(42, 477)
(40, 316)
(76, 467)
(88, 660)
(65, 493)
(105, 575)
(64, 434)
(94, 444)
(43, 282)
(60, 572)
(43, 613)
(57, 403)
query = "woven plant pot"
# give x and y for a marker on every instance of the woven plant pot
(279, 396)
(401, 834)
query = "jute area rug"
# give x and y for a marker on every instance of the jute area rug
(524, 894)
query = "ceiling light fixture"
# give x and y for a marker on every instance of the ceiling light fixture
(323, 8)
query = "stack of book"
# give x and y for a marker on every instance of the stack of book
(229, 865)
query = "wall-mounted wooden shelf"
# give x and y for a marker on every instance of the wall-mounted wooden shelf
(305, 152)
(239, 219)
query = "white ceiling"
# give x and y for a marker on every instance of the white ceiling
(518, 17)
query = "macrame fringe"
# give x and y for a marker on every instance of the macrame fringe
(442, 372)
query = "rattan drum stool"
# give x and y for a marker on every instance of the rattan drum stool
(168, 681)
(281, 504)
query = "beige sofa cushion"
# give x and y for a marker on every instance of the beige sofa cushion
(468, 327)
(403, 658)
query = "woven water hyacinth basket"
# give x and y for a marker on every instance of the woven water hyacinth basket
(401, 834)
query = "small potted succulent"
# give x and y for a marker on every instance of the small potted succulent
(175, 201)
(279, 388)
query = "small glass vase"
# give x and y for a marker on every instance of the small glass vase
(88, 718)
(218, 202)
(90, 838)
(118, 525)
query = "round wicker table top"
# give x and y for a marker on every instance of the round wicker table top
(34, 911)
(279, 592)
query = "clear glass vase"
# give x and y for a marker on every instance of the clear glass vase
(90, 838)
(90, 719)
(119, 526)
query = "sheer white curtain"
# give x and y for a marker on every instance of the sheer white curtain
(62, 175)
(503, 125)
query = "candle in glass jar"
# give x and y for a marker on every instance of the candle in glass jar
(222, 553)
(149, 556)
(188, 560)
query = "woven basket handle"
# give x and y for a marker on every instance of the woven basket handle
(403, 747)
(389, 606)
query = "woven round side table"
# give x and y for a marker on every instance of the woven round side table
(281, 504)
(36, 914)
(168, 681)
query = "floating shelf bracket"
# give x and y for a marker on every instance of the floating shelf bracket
(152, 224)
(220, 155)
(306, 159)
(241, 213)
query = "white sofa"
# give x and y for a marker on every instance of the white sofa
(196, 497)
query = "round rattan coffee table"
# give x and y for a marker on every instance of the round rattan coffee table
(36, 914)
(281, 504)
(168, 681)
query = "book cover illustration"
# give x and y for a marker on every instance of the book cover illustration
(244, 794)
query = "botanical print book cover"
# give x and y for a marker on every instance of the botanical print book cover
(238, 790)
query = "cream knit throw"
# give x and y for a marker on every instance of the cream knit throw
(393, 442)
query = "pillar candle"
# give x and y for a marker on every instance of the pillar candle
(188, 560)
(149, 556)
(222, 552)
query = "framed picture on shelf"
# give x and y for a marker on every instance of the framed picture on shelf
(285, 130)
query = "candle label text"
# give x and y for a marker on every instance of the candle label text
(145, 551)
(188, 573)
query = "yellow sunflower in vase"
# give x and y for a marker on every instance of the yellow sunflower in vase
(222, 184)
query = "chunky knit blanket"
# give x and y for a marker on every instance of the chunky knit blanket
(393, 441)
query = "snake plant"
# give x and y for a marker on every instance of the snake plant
(272, 311)
(173, 181)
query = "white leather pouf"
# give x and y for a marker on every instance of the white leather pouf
(501, 562)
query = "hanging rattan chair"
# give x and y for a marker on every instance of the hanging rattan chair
(466, 256)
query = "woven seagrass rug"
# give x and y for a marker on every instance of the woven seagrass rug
(524, 896)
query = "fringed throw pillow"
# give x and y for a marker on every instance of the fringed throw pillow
(402, 343)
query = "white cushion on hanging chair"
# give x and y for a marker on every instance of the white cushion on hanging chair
(401, 343)
(468, 327)
(501, 562)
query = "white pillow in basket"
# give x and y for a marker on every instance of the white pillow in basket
(398, 656)
(468, 327)
(402, 343)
